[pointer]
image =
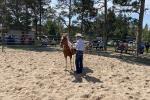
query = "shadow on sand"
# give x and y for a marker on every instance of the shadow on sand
(129, 58)
(141, 60)
(33, 48)
(79, 77)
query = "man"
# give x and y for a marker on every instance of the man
(141, 48)
(79, 46)
(147, 45)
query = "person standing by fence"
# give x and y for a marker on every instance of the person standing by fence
(147, 45)
(23, 38)
(79, 46)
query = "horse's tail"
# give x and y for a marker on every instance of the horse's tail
(73, 51)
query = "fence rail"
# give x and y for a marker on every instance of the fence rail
(27, 40)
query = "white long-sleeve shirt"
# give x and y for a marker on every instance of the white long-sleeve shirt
(79, 45)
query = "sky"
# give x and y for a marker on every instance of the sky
(146, 15)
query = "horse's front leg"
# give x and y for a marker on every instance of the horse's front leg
(66, 63)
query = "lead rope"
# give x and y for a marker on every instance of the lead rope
(73, 62)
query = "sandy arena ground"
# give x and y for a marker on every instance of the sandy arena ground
(32, 75)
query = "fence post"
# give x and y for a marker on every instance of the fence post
(2, 41)
(3, 25)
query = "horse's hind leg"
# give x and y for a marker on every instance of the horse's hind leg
(71, 62)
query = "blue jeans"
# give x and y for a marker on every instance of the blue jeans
(79, 61)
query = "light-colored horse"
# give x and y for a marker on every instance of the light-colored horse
(68, 49)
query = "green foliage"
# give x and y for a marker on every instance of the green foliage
(127, 6)
(20, 13)
(86, 14)
(121, 26)
(52, 28)
(146, 34)
(86, 7)
(122, 2)
(24, 13)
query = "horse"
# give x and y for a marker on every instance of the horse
(122, 46)
(68, 49)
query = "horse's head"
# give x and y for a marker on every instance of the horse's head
(63, 40)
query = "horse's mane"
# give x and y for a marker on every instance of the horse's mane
(65, 35)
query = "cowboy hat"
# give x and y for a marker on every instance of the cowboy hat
(78, 35)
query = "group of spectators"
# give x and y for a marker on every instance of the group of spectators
(123, 45)
(25, 39)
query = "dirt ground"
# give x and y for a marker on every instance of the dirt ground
(40, 75)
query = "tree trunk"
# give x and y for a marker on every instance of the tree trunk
(105, 28)
(82, 22)
(82, 15)
(140, 26)
(69, 26)
(40, 17)
(4, 25)
(26, 26)
(17, 13)
(36, 28)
